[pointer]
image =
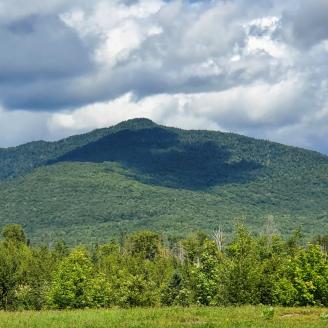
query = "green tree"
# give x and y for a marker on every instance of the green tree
(176, 291)
(75, 284)
(146, 244)
(193, 246)
(14, 233)
(32, 294)
(242, 270)
(137, 290)
(205, 275)
(303, 279)
(14, 256)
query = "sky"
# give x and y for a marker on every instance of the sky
(254, 67)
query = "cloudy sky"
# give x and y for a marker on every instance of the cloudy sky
(255, 67)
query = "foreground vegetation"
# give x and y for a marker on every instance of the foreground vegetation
(145, 270)
(231, 317)
(139, 175)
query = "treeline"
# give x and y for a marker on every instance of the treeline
(145, 270)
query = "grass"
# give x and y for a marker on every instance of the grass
(167, 317)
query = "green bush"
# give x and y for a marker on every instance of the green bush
(75, 284)
(249, 270)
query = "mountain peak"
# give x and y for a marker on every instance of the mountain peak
(136, 123)
(140, 175)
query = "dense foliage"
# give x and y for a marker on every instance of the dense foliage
(139, 175)
(147, 270)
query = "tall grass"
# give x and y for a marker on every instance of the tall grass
(201, 317)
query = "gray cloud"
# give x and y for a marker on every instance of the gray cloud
(37, 47)
(182, 57)
(254, 67)
(38, 53)
(308, 25)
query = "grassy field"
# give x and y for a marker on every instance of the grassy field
(168, 317)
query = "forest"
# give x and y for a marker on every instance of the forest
(146, 269)
(139, 175)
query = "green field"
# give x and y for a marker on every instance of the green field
(167, 317)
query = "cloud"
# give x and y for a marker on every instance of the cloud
(17, 127)
(134, 48)
(38, 52)
(257, 68)
(40, 47)
(244, 109)
(308, 25)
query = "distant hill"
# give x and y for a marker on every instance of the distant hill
(137, 175)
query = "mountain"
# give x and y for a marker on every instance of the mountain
(137, 175)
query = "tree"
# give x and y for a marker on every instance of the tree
(218, 236)
(75, 284)
(32, 293)
(205, 275)
(193, 246)
(13, 262)
(14, 233)
(303, 279)
(322, 240)
(175, 292)
(242, 270)
(136, 290)
(145, 244)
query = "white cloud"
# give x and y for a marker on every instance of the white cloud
(119, 27)
(20, 126)
(245, 109)
(258, 68)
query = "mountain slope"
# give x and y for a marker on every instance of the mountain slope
(142, 175)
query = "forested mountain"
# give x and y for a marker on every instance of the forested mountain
(138, 174)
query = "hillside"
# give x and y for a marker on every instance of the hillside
(138, 174)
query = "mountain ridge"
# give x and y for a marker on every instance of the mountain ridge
(139, 174)
(126, 124)
(12, 154)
